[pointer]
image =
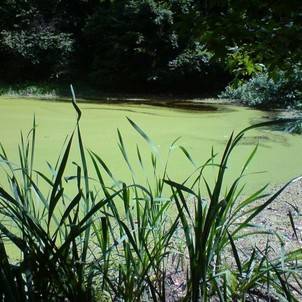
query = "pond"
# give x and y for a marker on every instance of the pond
(278, 156)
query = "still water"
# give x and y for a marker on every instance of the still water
(278, 156)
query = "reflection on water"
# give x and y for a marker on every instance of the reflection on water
(263, 139)
(121, 109)
(177, 106)
(294, 127)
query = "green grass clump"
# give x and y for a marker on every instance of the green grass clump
(112, 241)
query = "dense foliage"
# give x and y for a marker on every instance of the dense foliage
(149, 42)
(171, 45)
(284, 90)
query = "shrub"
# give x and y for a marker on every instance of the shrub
(284, 90)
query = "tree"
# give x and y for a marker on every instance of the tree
(147, 43)
(250, 34)
(38, 38)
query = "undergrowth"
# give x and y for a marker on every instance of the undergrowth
(262, 90)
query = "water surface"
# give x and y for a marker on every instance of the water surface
(278, 156)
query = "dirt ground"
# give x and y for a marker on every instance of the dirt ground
(276, 217)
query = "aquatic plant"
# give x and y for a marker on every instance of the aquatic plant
(118, 241)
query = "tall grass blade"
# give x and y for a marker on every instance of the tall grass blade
(74, 104)
(291, 219)
(54, 197)
(144, 136)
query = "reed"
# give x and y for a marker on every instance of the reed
(121, 241)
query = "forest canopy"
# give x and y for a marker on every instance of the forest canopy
(167, 45)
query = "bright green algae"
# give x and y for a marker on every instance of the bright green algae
(278, 153)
